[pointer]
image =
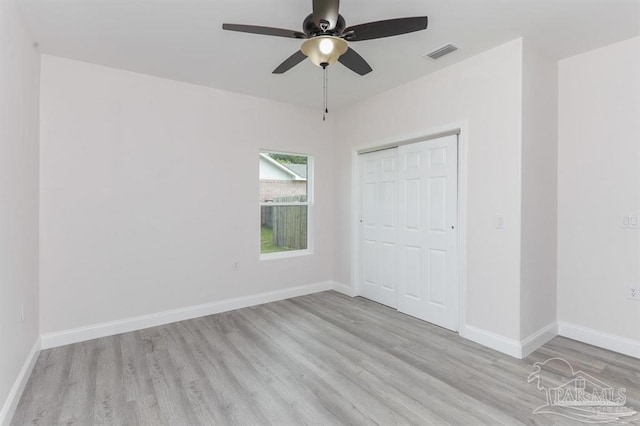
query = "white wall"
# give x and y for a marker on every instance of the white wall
(19, 71)
(149, 194)
(539, 191)
(486, 92)
(598, 183)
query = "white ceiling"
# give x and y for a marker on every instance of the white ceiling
(183, 39)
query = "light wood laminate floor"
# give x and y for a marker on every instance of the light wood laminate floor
(321, 359)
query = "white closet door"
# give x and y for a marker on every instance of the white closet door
(378, 189)
(427, 222)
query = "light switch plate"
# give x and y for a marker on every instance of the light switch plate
(630, 222)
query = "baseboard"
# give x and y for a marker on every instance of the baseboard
(11, 403)
(508, 346)
(601, 339)
(111, 328)
(539, 338)
(491, 340)
(343, 288)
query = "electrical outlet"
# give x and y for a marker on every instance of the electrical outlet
(236, 266)
(634, 293)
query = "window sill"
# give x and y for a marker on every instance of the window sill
(285, 254)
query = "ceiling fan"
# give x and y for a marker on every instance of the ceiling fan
(326, 36)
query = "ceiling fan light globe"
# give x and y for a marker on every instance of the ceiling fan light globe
(326, 46)
(324, 49)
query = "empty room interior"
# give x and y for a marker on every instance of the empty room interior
(319, 212)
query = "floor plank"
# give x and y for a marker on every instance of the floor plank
(321, 359)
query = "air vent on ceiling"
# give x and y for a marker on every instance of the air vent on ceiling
(444, 50)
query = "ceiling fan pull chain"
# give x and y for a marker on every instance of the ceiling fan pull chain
(325, 110)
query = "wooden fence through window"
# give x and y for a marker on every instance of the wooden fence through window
(288, 223)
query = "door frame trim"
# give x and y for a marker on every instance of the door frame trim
(459, 128)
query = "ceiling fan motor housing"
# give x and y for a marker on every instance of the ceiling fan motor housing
(312, 30)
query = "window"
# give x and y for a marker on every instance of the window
(285, 203)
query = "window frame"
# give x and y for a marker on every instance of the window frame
(309, 204)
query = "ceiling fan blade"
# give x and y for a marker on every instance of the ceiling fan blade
(387, 28)
(290, 62)
(325, 13)
(352, 60)
(254, 29)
